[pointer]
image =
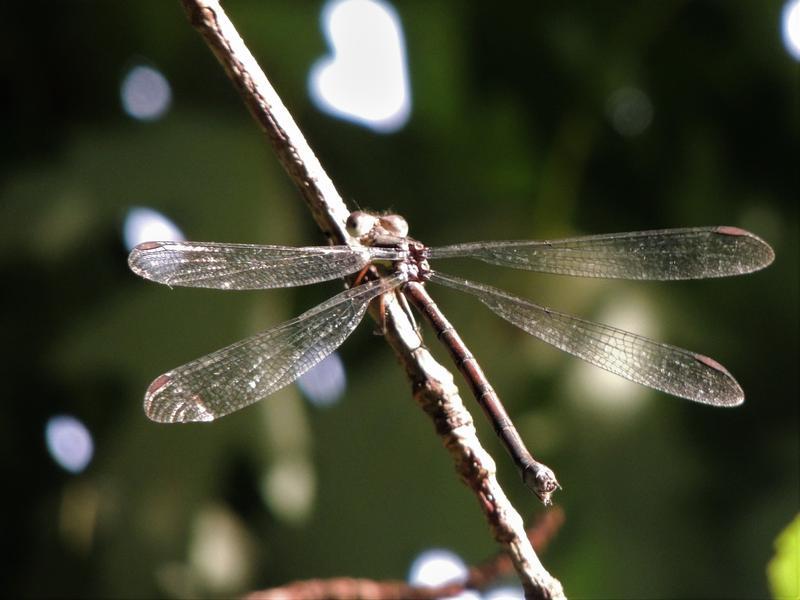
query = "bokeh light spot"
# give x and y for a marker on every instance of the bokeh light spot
(148, 225)
(289, 488)
(69, 443)
(437, 567)
(325, 383)
(365, 78)
(145, 93)
(609, 395)
(505, 593)
(790, 28)
(220, 550)
(630, 111)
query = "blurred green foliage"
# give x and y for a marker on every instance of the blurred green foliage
(510, 137)
(784, 568)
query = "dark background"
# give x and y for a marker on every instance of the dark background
(510, 138)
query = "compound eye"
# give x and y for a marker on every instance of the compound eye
(360, 223)
(395, 224)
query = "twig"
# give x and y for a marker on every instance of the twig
(432, 384)
(263, 102)
(349, 588)
(540, 534)
(478, 577)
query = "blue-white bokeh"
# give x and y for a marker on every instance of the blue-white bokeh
(505, 593)
(365, 78)
(147, 225)
(790, 28)
(325, 383)
(437, 567)
(69, 443)
(145, 93)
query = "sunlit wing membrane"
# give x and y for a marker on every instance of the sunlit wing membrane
(247, 266)
(668, 254)
(639, 359)
(234, 377)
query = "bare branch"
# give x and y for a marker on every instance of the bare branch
(348, 588)
(480, 577)
(432, 384)
(263, 102)
(540, 533)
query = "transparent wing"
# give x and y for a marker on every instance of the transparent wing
(667, 254)
(247, 266)
(639, 359)
(234, 377)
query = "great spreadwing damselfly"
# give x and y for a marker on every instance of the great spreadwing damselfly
(387, 261)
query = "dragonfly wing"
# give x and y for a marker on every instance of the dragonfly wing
(234, 377)
(246, 266)
(667, 254)
(660, 366)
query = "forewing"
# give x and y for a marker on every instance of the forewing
(660, 366)
(245, 266)
(667, 254)
(234, 377)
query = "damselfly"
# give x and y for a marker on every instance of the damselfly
(246, 371)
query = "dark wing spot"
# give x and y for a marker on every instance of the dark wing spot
(158, 383)
(145, 246)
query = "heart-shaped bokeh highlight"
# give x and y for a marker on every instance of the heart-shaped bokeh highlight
(365, 77)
